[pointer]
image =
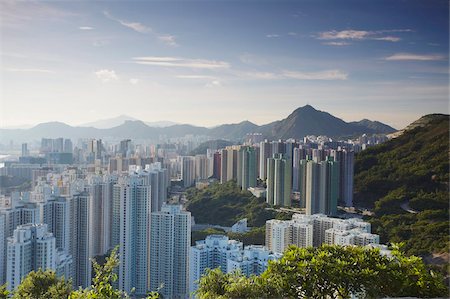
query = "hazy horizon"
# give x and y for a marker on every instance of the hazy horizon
(210, 63)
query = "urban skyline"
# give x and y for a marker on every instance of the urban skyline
(354, 59)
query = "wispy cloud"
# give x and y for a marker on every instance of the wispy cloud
(416, 57)
(19, 13)
(28, 70)
(106, 75)
(340, 44)
(134, 81)
(388, 38)
(298, 75)
(360, 35)
(321, 75)
(272, 35)
(136, 26)
(85, 28)
(168, 40)
(181, 62)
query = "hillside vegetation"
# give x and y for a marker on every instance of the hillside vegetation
(225, 204)
(410, 172)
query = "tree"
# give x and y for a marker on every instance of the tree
(102, 282)
(43, 285)
(4, 293)
(101, 287)
(329, 272)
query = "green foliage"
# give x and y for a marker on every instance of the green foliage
(256, 236)
(411, 169)
(225, 204)
(329, 272)
(102, 281)
(4, 293)
(43, 285)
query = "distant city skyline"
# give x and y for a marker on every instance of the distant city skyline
(209, 63)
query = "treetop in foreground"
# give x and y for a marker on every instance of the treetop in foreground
(330, 272)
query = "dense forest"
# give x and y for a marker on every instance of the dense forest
(405, 182)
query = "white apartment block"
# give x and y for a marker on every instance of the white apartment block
(169, 251)
(31, 247)
(217, 251)
(315, 230)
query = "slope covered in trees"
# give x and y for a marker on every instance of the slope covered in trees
(405, 180)
(225, 204)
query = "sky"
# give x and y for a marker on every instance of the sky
(212, 62)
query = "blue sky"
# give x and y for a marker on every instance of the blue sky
(213, 62)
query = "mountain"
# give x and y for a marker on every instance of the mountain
(308, 121)
(120, 120)
(109, 122)
(405, 182)
(231, 131)
(375, 126)
(210, 144)
(303, 121)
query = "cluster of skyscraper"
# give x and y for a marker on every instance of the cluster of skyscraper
(89, 198)
(318, 178)
(71, 217)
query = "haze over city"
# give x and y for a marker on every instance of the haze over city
(208, 63)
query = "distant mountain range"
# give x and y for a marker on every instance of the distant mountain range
(303, 121)
(121, 119)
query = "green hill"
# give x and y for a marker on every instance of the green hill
(410, 172)
(212, 144)
(225, 204)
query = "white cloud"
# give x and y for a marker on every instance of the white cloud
(136, 26)
(272, 35)
(360, 35)
(134, 81)
(28, 70)
(168, 40)
(106, 75)
(260, 75)
(321, 75)
(85, 28)
(292, 33)
(417, 57)
(181, 62)
(388, 38)
(345, 34)
(337, 43)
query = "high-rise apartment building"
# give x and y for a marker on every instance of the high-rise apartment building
(211, 253)
(79, 245)
(229, 255)
(30, 248)
(265, 152)
(315, 230)
(346, 170)
(319, 186)
(188, 171)
(131, 231)
(247, 168)
(169, 258)
(279, 179)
